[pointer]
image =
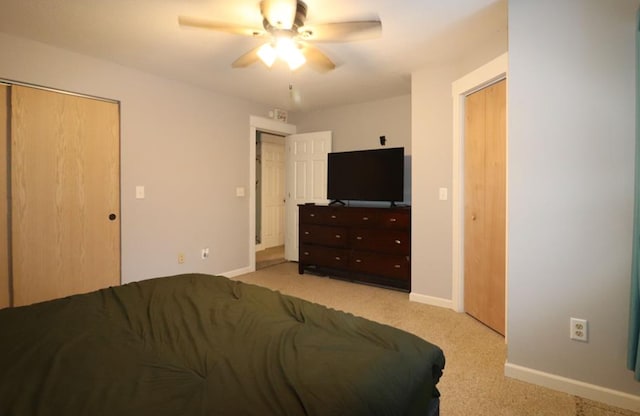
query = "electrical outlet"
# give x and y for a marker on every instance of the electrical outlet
(205, 253)
(180, 258)
(579, 329)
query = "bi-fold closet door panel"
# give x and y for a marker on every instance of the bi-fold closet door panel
(65, 194)
(485, 205)
(4, 212)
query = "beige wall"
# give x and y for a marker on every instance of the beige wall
(359, 126)
(571, 169)
(432, 143)
(188, 147)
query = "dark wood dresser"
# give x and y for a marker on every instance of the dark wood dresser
(364, 244)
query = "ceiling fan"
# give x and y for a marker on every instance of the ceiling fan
(288, 37)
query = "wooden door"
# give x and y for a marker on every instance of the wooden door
(65, 190)
(485, 205)
(4, 210)
(273, 183)
(306, 180)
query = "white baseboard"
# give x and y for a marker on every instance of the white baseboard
(574, 387)
(431, 300)
(233, 273)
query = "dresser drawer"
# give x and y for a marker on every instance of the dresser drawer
(320, 214)
(323, 256)
(323, 235)
(386, 241)
(380, 218)
(396, 266)
(396, 219)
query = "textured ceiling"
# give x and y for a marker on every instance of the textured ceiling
(144, 34)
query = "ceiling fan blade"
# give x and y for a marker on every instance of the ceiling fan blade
(221, 27)
(279, 13)
(316, 59)
(247, 59)
(342, 31)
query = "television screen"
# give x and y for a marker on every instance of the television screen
(366, 175)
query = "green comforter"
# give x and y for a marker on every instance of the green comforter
(206, 345)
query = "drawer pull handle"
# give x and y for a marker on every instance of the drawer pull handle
(312, 215)
(306, 253)
(333, 216)
(338, 258)
(306, 233)
(397, 266)
(365, 218)
(358, 261)
(358, 238)
(338, 236)
(393, 219)
(398, 242)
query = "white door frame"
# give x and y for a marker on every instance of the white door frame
(269, 126)
(486, 75)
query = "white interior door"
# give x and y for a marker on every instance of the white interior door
(306, 180)
(273, 192)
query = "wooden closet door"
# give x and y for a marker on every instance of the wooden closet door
(4, 214)
(64, 188)
(485, 206)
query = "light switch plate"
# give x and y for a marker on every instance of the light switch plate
(444, 194)
(139, 192)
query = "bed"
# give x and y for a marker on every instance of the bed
(207, 345)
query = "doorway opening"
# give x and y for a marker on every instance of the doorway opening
(270, 199)
(263, 125)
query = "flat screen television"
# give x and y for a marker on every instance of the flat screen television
(366, 175)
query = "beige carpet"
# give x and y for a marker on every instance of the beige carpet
(473, 382)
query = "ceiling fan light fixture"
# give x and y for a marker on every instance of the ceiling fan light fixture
(280, 14)
(296, 60)
(290, 40)
(288, 50)
(267, 54)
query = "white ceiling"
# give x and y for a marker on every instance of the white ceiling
(144, 34)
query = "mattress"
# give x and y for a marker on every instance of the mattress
(207, 345)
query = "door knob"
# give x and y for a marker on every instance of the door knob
(112, 217)
(473, 217)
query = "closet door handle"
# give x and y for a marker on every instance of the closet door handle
(112, 217)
